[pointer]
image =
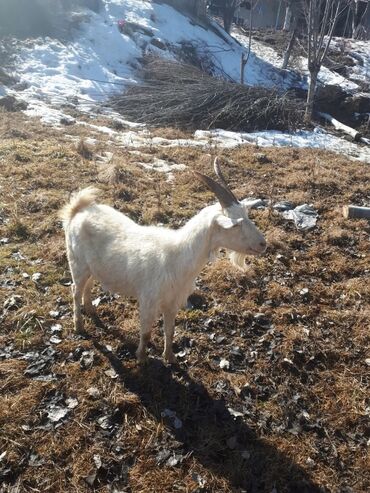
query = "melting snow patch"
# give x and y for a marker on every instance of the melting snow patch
(163, 166)
(100, 60)
(318, 139)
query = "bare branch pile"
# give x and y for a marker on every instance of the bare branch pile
(182, 96)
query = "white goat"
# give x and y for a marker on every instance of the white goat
(156, 265)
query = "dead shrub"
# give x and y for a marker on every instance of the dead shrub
(84, 150)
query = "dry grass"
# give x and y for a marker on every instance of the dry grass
(302, 384)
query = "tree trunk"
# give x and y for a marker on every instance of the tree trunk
(288, 17)
(340, 126)
(246, 58)
(354, 16)
(314, 72)
(243, 63)
(278, 15)
(361, 13)
(289, 48)
(200, 8)
(228, 18)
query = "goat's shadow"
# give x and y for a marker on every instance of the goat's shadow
(246, 461)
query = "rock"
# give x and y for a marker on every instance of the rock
(111, 374)
(330, 97)
(56, 328)
(261, 158)
(224, 364)
(196, 302)
(54, 313)
(87, 360)
(13, 303)
(176, 422)
(158, 44)
(234, 413)
(358, 103)
(232, 442)
(93, 392)
(54, 339)
(11, 104)
(284, 205)
(304, 217)
(65, 120)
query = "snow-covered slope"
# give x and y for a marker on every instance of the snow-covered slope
(99, 59)
(55, 76)
(359, 51)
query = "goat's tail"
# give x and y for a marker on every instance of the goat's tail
(79, 201)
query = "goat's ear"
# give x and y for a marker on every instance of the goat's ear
(227, 223)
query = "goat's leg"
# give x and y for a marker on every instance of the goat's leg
(147, 320)
(80, 277)
(88, 306)
(77, 291)
(169, 329)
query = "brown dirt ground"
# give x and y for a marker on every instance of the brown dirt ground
(300, 380)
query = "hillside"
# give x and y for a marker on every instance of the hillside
(60, 80)
(288, 409)
(271, 390)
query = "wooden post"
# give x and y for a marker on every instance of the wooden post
(356, 212)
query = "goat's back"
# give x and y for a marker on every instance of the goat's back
(125, 257)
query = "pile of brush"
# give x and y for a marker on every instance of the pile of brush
(179, 95)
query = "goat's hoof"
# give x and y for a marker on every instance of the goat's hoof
(142, 358)
(170, 358)
(91, 312)
(79, 328)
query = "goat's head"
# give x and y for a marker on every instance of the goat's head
(236, 231)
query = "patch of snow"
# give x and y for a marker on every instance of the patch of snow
(291, 78)
(162, 166)
(328, 77)
(208, 139)
(359, 51)
(264, 66)
(318, 139)
(100, 60)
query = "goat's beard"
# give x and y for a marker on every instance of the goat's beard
(237, 259)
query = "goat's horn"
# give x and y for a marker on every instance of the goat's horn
(224, 196)
(216, 167)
